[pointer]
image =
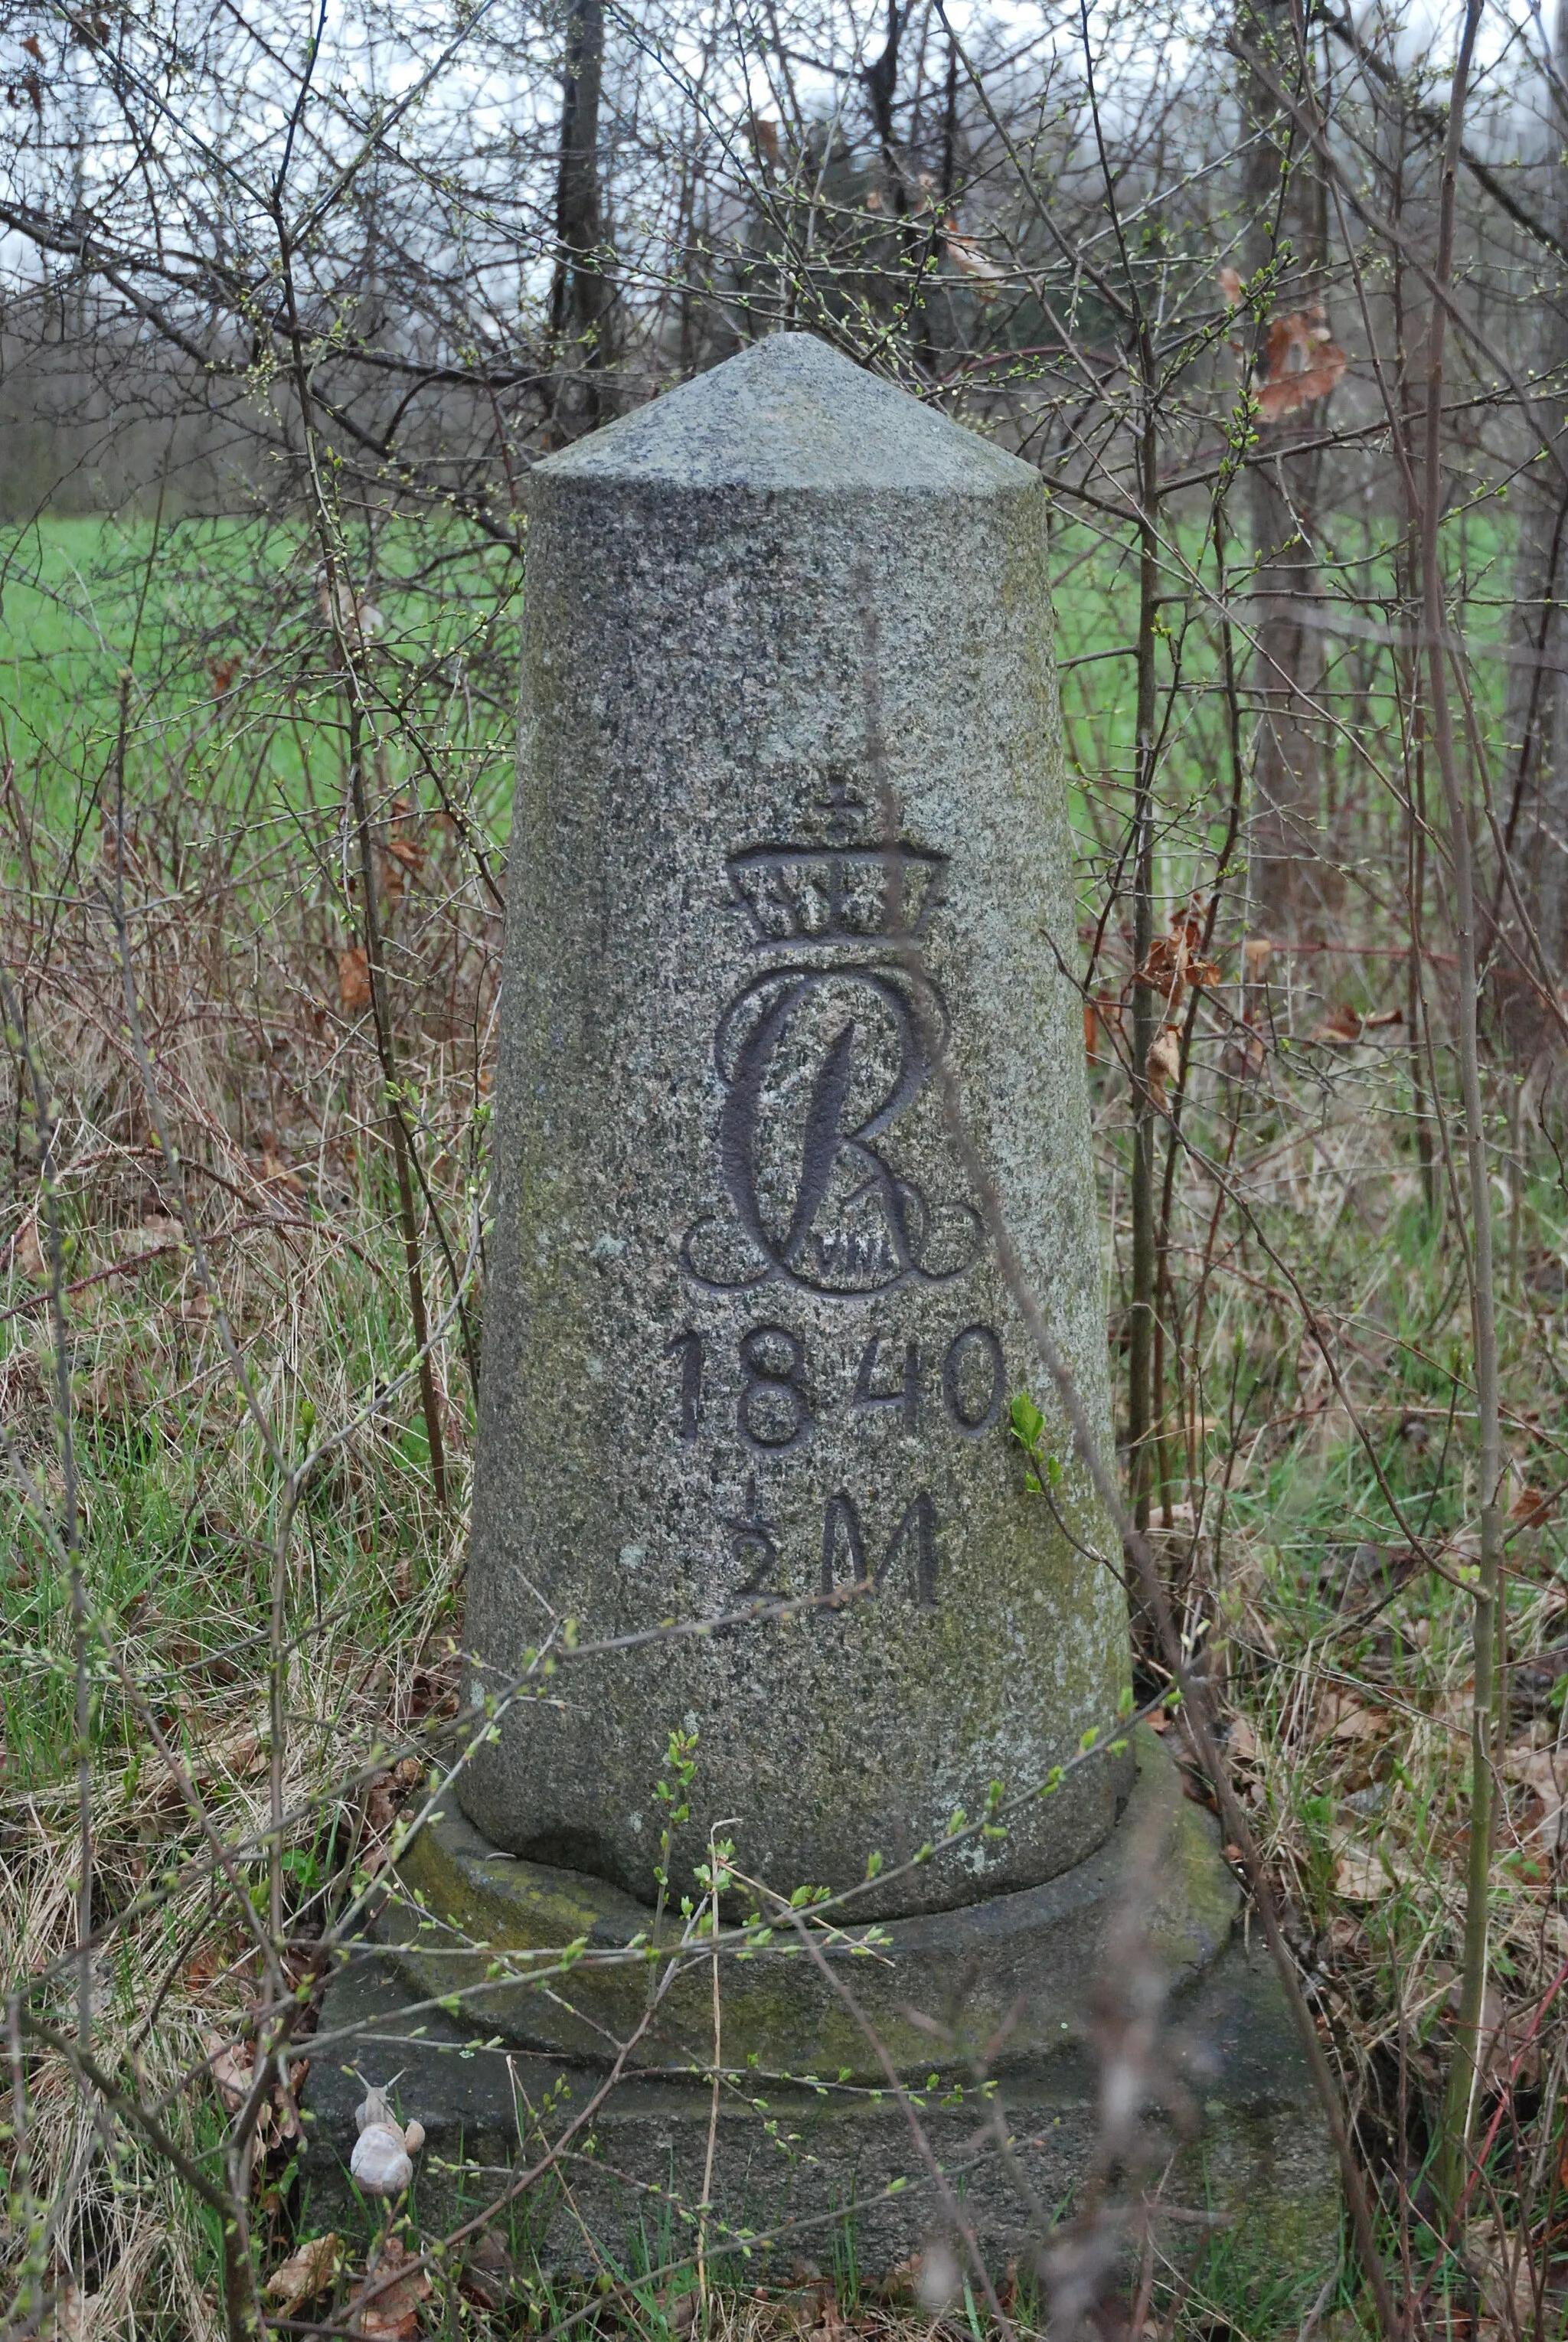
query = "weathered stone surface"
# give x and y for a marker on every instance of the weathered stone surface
(743, 1336)
(1023, 1969)
(744, 1341)
(794, 2162)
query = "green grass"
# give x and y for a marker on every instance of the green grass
(236, 874)
(222, 624)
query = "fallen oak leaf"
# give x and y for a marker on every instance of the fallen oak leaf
(1503, 2266)
(277, 1171)
(231, 1758)
(230, 2074)
(309, 2271)
(488, 2274)
(1362, 1874)
(27, 1253)
(76, 2316)
(1543, 1772)
(388, 2304)
(1342, 1717)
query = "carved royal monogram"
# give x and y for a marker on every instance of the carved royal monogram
(819, 1058)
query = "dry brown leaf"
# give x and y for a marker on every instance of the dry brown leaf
(987, 276)
(231, 2077)
(1173, 964)
(489, 2273)
(1299, 363)
(1241, 1741)
(230, 1758)
(1364, 1875)
(1256, 954)
(156, 1233)
(1102, 1026)
(1509, 2051)
(1544, 1772)
(76, 2316)
(1165, 1062)
(309, 2271)
(1342, 1717)
(1360, 1877)
(380, 1803)
(206, 1967)
(27, 1253)
(1529, 1507)
(1231, 287)
(354, 978)
(278, 1172)
(392, 2299)
(1502, 2265)
(1341, 1024)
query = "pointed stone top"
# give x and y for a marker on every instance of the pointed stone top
(790, 413)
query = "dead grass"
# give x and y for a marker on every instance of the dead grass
(1317, 1502)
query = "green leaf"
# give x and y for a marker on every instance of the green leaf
(1028, 1422)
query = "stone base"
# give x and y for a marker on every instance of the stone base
(814, 2157)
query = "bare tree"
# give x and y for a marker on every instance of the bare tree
(1293, 884)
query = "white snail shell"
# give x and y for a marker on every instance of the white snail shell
(375, 2106)
(414, 2136)
(380, 2160)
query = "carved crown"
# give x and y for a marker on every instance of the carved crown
(845, 890)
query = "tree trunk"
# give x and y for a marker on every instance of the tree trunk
(1294, 887)
(583, 292)
(1534, 798)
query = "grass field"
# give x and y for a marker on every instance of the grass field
(1292, 1506)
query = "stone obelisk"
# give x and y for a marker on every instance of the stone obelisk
(789, 908)
(744, 1338)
